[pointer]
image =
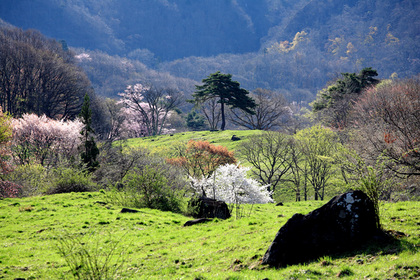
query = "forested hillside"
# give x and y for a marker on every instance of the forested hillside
(294, 47)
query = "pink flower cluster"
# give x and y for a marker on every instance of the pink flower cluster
(41, 137)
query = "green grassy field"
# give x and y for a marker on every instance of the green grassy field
(162, 144)
(154, 245)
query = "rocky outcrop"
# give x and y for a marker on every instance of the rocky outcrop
(345, 222)
(204, 207)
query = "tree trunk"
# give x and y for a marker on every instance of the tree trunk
(222, 108)
(297, 193)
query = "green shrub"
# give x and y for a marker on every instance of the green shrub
(137, 179)
(36, 179)
(146, 188)
(31, 177)
(66, 180)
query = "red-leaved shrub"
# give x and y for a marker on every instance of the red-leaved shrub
(9, 189)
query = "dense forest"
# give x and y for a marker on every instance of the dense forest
(292, 47)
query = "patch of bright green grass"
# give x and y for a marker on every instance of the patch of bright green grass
(155, 245)
(162, 144)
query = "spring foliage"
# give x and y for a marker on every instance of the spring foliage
(388, 120)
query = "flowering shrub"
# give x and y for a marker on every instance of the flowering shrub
(43, 139)
(230, 183)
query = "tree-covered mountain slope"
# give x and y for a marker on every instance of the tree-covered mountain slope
(291, 46)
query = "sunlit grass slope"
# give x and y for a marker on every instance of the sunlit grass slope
(162, 144)
(155, 245)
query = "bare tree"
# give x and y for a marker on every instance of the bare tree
(271, 111)
(318, 146)
(269, 154)
(298, 169)
(38, 76)
(151, 105)
(212, 112)
(387, 119)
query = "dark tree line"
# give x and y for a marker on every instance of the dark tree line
(38, 75)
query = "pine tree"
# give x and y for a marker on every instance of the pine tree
(228, 92)
(89, 150)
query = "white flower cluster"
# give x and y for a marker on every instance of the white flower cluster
(229, 183)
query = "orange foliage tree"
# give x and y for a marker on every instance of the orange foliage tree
(200, 158)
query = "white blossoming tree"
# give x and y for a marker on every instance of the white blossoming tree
(229, 183)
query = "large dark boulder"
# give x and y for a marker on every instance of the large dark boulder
(345, 222)
(205, 207)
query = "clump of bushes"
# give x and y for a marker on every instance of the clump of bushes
(68, 180)
(36, 179)
(146, 187)
(135, 178)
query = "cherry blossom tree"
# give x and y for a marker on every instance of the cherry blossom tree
(150, 107)
(44, 140)
(229, 183)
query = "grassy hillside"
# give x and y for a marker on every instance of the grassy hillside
(162, 144)
(154, 245)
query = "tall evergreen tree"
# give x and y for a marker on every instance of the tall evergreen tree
(89, 150)
(221, 87)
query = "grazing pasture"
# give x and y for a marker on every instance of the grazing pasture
(39, 234)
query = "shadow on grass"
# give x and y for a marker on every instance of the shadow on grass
(389, 242)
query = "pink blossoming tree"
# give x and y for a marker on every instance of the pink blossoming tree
(147, 109)
(44, 140)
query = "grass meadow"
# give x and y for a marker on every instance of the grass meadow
(151, 244)
(162, 144)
